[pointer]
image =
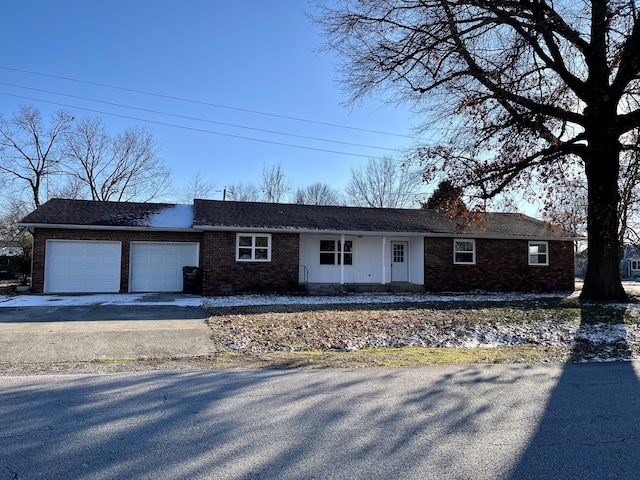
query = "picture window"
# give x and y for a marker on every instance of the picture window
(330, 252)
(253, 247)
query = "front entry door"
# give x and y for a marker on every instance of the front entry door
(399, 265)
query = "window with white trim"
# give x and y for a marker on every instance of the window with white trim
(538, 253)
(330, 252)
(464, 252)
(253, 247)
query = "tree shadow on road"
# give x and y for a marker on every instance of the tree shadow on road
(591, 422)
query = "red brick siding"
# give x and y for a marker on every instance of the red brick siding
(41, 235)
(221, 271)
(501, 265)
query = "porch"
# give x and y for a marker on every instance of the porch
(361, 263)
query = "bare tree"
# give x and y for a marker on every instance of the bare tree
(30, 152)
(124, 167)
(196, 186)
(565, 204)
(273, 184)
(243, 192)
(317, 194)
(14, 211)
(629, 205)
(527, 86)
(69, 187)
(384, 183)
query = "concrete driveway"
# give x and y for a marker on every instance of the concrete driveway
(59, 332)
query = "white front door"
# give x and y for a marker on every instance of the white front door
(157, 266)
(399, 264)
(73, 266)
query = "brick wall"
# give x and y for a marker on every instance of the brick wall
(41, 235)
(501, 265)
(223, 274)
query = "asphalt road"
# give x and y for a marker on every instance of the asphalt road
(579, 421)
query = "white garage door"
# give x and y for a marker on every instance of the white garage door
(157, 267)
(82, 266)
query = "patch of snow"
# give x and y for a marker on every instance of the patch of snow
(176, 216)
(98, 299)
(370, 298)
(263, 300)
(557, 334)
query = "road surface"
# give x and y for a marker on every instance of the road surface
(454, 422)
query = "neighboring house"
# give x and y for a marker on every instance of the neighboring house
(86, 246)
(581, 263)
(630, 264)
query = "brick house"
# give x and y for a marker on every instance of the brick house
(86, 246)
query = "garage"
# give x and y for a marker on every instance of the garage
(157, 266)
(82, 266)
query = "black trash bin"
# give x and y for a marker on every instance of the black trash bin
(191, 280)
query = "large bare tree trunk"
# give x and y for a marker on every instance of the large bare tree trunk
(602, 280)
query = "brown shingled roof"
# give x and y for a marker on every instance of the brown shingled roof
(224, 214)
(214, 214)
(59, 211)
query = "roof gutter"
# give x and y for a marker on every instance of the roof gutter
(109, 227)
(381, 233)
(203, 228)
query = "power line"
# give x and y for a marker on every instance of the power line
(198, 119)
(216, 105)
(186, 128)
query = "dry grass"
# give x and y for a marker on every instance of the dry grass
(316, 337)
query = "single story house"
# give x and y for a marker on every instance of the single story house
(88, 246)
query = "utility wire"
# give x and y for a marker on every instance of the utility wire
(197, 119)
(216, 105)
(184, 127)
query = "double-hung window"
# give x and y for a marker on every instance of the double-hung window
(330, 252)
(464, 252)
(538, 253)
(253, 247)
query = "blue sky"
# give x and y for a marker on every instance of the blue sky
(247, 56)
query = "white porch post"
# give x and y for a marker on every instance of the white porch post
(384, 263)
(342, 259)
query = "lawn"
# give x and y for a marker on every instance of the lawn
(417, 333)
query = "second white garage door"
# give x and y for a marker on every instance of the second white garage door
(157, 267)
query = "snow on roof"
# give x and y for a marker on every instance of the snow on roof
(175, 216)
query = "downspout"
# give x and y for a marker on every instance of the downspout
(342, 259)
(32, 231)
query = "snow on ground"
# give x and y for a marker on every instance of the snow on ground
(100, 299)
(503, 334)
(177, 299)
(259, 300)
(498, 333)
